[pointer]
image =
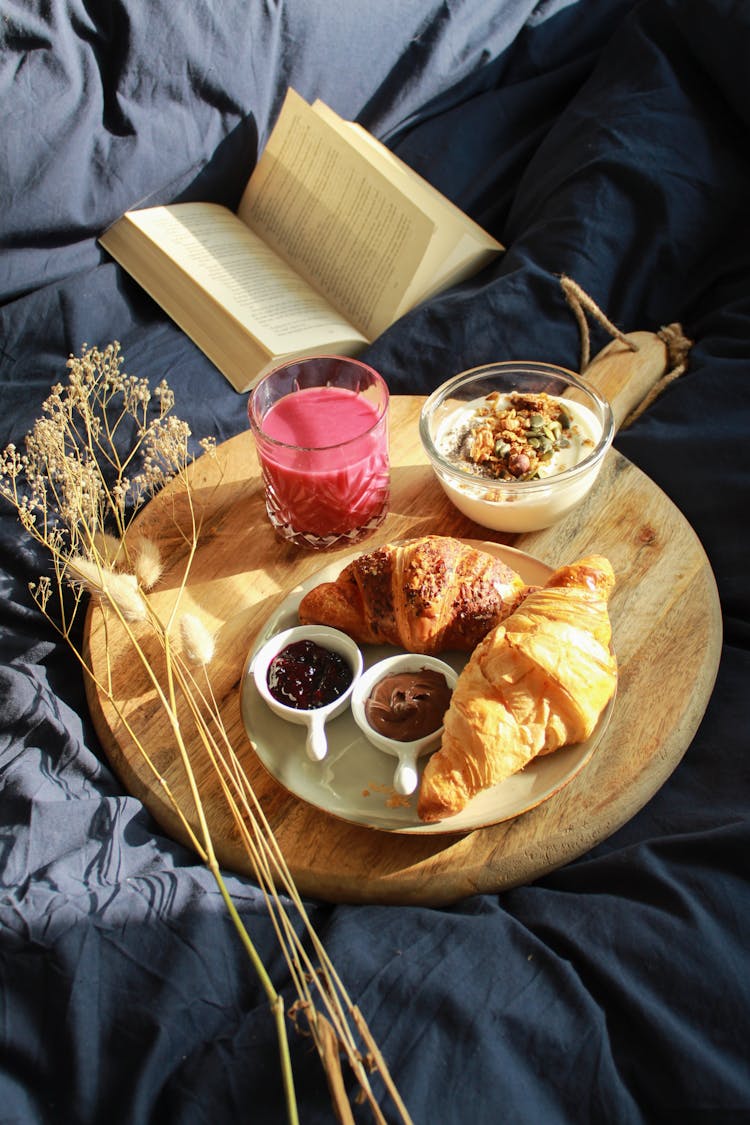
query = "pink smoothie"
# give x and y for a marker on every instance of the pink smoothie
(324, 488)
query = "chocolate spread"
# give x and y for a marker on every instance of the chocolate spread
(408, 705)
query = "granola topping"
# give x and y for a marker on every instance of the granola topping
(517, 437)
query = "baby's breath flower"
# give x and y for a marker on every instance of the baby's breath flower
(10, 463)
(165, 396)
(41, 591)
(27, 518)
(73, 472)
(103, 445)
(136, 394)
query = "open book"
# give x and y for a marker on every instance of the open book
(334, 239)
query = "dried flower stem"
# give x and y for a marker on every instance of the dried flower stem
(67, 486)
(271, 869)
(204, 845)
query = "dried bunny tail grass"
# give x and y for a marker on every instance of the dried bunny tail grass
(119, 590)
(108, 548)
(147, 562)
(197, 639)
(78, 430)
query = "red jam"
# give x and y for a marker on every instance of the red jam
(304, 675)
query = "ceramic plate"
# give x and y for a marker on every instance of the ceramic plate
(355, 780)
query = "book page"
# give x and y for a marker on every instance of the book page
(450, 220)
(243, 275)
(340, 222)
(459, 248)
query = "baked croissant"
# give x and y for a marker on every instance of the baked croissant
(538, 681)
(424, 595)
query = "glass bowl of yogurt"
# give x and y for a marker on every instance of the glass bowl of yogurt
(516, 445)
(398, 703)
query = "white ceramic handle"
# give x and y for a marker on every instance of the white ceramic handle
(316, 744)
(405, 778)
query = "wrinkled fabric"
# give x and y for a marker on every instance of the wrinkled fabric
(602, 139)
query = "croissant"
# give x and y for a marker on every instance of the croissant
(538, 681)
(424, 595)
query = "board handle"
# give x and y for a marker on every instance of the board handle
(635, 367)
(632, 371)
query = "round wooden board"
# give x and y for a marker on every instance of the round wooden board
(667, 636)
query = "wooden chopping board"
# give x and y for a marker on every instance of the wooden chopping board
(667, 636)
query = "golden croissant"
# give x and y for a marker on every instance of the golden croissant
(538, 681)
(424, 595)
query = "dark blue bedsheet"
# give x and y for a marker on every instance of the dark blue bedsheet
(601, 139)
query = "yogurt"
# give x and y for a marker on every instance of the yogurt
(515, 457)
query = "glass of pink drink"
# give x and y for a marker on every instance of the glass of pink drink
(321, 431)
